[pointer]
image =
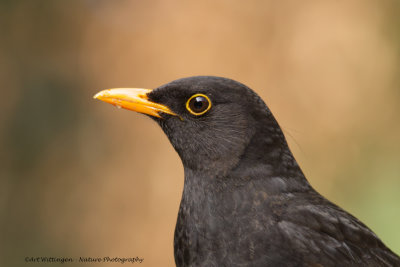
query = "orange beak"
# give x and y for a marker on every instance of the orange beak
(133, 99)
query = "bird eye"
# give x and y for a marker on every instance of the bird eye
(198, 104)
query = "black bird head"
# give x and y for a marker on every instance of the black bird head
(212, 122)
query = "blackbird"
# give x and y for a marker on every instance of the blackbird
(245, 200)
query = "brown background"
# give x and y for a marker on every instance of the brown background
(81, 178)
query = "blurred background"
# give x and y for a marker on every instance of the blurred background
(80, 178)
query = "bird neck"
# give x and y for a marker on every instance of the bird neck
(266, 160)
(268, 155)
(265, 155)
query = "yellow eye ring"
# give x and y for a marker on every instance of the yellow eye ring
(198, 104)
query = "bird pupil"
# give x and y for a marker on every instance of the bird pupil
(198, 102)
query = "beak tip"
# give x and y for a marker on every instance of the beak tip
(98, 95)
